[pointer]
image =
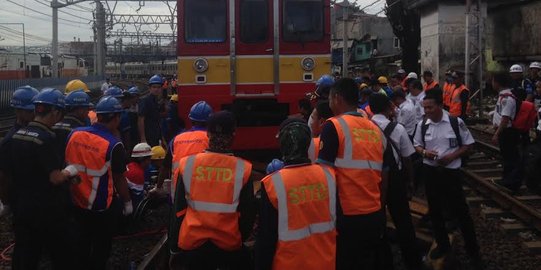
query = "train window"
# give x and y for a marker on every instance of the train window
(254, 20)
(205, 21)
(303, 20)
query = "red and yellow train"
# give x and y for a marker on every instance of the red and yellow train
(256, 58)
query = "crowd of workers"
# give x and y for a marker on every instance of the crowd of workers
(366, 145)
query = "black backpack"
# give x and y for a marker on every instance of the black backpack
(532, 167)
(387, 133)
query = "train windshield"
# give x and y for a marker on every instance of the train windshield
(254, 21)
(303, 20)
(205, 21)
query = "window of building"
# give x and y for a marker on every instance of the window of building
(303, 20)
(254, 21)
(205, 21)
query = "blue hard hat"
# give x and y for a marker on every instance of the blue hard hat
(325, 81)
(22, 98)
(274, 165)
(133, 90)
(200, 112)
(50, 96)
(358, 80)
(108, 104)
(156, 79)
(78, 98)
(114, 91)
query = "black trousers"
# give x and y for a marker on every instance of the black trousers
(511, 142)
(210, 257)
(359, 243)
(35, 236)
(94, 234)
(444, 193)
(398, 205)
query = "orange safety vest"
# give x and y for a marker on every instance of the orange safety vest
(358, 164)
(93, 117)
(455, 104)
(185, 144)
(305, 197)
(313, 149)
(432, 85)
(213, 183)
(448, 89)
(90, 149)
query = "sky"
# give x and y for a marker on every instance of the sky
(75, 20)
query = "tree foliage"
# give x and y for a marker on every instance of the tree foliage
(406, 26)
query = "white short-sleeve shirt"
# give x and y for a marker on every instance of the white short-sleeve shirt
(417, 101)
(441, 139)
(399, 136)
(406, 116)
(505, 106)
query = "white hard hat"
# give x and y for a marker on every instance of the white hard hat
(401, 71)
(535, 65)
(141, 150)
(412, 75)
(516, 69)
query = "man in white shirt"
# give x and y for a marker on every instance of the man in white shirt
(507, 137)
(416, 96)
(442, 144)
(397, 200)
(105, 85)
(405, 114)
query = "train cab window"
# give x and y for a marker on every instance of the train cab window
(302, 20)
(205, 21)
(254, 21)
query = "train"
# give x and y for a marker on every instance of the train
(12, 66)
(255, 58)
(139, 70)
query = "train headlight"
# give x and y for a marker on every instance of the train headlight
(308, 63)
(200, 65)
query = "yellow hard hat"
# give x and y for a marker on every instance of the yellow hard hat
(363, 86)
(158, 153)
(382, 79)
(76, 85)
(174, 98)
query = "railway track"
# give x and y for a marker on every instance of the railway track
(518, 211)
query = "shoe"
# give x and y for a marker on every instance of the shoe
(438, 253)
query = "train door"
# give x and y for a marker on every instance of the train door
(252, 53)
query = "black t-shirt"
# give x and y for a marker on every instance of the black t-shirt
(149, 109)
(29, 158)
(118, 162)
(62, 130)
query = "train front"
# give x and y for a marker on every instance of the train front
(256, 58)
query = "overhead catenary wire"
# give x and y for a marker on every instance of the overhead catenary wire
(61, 11)
(39, 12)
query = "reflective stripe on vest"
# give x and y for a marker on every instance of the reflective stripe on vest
(348, 162)
(284, 233)
(96, 175)
(208, 206)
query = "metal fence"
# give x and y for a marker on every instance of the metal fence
(7, 87)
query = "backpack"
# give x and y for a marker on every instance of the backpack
(394, 148)
(454, 125)
(532, 167)
(525, 114)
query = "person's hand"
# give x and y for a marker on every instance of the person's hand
(128, 208)
(495, 138)
(431, 155)
(444, 161)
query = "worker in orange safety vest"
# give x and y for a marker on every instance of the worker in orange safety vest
(298, 209)
(459, 98)
(214, 204)
(317, 119)
(99, 157)
(355, 147)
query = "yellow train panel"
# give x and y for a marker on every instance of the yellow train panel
(291, 71)
(255, 70)
(217, 73)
